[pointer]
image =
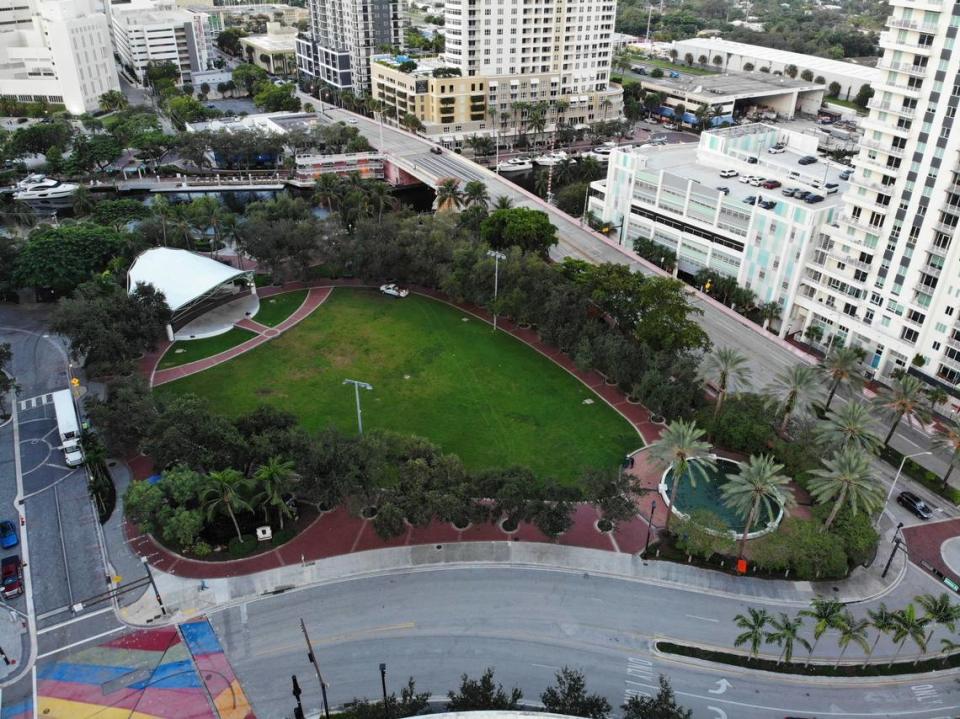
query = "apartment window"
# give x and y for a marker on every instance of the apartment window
(908, 334)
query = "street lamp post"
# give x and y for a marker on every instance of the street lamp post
(896, 545)
(357, 384)
(497, 256)
(383, 683)
(894, 484)
(646, 544)
(316, 666)
(156, 592)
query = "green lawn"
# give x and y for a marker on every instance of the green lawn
(192, 350)
(849, 104)
(437, 373)
(680, 67)
(274, 310)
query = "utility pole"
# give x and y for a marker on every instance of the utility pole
(313, 660)
(649, 16)
(156, 592)
(896, 545)
(298, 709)
(383, 683)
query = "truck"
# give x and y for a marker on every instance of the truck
(69, 427)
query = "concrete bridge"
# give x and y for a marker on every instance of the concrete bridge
(211, 183)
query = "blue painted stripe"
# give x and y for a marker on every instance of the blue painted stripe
(200, 638)
(24, 707)
(175, 675)
(82, 673)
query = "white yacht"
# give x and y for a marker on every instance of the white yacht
(598, 156)
(45, 193)
(552, 158)
(517, 164)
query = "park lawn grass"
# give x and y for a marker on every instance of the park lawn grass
(274, 310)
(436, 372)
(193, 350)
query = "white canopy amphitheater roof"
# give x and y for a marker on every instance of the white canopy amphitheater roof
(186, 279)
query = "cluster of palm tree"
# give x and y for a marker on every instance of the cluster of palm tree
(230, 492)
(353, 196)
(187, 225)
(452, 195)
(829, 615)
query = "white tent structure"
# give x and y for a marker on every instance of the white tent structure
(191, 283)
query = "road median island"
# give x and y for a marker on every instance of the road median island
(847, 670)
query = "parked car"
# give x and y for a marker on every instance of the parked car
(776, 150)
(745, 178)
(671, 126)
(752, 160)
(394, 291)
(757, 181)
(436, 150)
(771, 184)
(11, 577)
(752, 200)
(832, 188)
(802, 194)
(789, 191)
(8, 534)
(807, 160)
(813, 199)
(352, 121)
(724, 190)
(913, 504)
(728, 173)
(767, 204)
(846, 175)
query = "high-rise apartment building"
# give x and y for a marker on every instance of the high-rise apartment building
(523, 37)
(886, 276)
(343, 35)
(62, 56)
(157, 31)
(16, 14)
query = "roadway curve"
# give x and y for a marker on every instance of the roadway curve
(436, 624)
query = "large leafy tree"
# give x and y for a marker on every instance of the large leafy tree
(276, 98)
(847, 480)
(187, 432)
(905, 400)
(662, 705)
(682, 448)
(119, 213)
(667, 319)
(125, 417)
(570, 697)
(6, 376)
(727, 369)
(482, 695)
(61, 258)
(758, 488)
(530, 230)
(107, 326)
(249, 76)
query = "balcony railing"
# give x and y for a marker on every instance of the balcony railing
(906, 67)
(890, 107)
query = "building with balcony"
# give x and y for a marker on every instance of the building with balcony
(737, 56)
(62, 57)
(275, 52)
(157, 31)
(453, 108)
(343, 36)
(898, 300)
(674, 195)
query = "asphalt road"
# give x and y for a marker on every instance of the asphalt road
(436, 625)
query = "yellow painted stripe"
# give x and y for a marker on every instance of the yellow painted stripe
(232, 703)
(52, 708)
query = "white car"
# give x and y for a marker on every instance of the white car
(728, 173)
(352, 121)
(394, 291)
(776, 150)
(745, 178)
(756, 181)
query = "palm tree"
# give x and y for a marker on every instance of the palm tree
(842, 369)
(759, 485)
(939, 610)
(83, 201)
(847, 480)
(681, 448)
(904, 400)
(726, 368)
(883, 621)
(907, 625)
(475, 193)
(769, 312)
(276, 477)
(225, 493)
(161, 209)
(449, 196)
(786, 634)
(947, 439)
(502, 202)
(793, 390)
(852, 425)
(327, 189)
(825, 614)
(948, 647)
(379, 195)
(936, 396)
(753, 625)
(852, 630)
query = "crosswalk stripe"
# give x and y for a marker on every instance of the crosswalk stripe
(37, 401)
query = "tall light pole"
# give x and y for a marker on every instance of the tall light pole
(383, 683)
(313, 660)
(497, 256)
(894, 484)
(357, 384)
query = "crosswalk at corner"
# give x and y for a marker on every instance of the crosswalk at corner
(38, 401)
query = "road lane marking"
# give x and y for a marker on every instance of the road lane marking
(82, 641)
(545, 666)
(81, 618)
(702, 619)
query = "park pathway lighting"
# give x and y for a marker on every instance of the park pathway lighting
(497, 256)
(357, 384)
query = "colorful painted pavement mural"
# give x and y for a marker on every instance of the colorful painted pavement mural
(162, 673)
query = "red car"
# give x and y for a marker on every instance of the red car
(11, 576)
(770, 185)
